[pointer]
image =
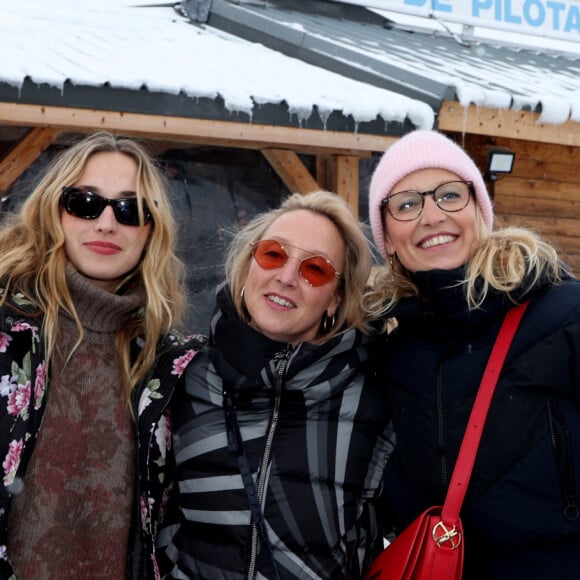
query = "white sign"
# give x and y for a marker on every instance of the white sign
(553, 18)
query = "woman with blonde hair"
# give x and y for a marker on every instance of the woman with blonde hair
(279, 439)
(449, 280)
(90, 290)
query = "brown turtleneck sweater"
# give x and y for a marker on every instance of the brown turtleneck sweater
(73, 517)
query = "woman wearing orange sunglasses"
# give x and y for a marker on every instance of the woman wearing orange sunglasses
(280, 443)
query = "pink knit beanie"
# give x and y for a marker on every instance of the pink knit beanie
(422, 150)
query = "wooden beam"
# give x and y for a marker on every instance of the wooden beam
(544, 151)
(198, 131)
(548, 226)
(505, 123)
(342, 174)
(343, 178)
(291, 170)
(568, 244)
(537, 207)
(19, 158)
(322, 171)
(541, 170)
(530, 189)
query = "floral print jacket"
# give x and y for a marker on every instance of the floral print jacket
(24, 380)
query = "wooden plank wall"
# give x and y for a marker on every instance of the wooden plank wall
(542, 192)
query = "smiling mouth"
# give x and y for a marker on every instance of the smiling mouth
(437, 241)
(280, 301)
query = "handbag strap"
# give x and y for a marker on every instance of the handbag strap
(236, 446)
(472, 437)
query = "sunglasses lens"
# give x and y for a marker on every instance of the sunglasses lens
(127, 212)
(83, 204)
(317, 271)
(89, 206)
(269, 254)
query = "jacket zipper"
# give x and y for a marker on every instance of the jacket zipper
(560, 438)
(281, 359)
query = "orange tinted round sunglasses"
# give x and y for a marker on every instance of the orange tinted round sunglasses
(315, 270)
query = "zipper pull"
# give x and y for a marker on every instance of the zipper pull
(231, 423)
(281, 359)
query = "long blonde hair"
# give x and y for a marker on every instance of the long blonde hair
(511, 259)
(34, 260)
(507, 259)
(357, 263)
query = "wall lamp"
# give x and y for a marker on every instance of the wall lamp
(499, 161)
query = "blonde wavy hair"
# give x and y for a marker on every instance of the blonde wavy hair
(34, 260)
(357, 263)
(507, 259)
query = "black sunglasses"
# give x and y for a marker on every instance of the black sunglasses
(89, 206)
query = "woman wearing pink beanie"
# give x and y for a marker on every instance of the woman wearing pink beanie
(448, 281)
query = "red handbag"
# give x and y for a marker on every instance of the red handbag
(432, 546)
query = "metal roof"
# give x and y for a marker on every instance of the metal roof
(421, 64)
(146, 57)
(326, 65)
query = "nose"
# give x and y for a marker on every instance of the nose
(106, 221)
(288, 274)
(432, 213)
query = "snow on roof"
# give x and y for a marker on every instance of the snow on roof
(151, 46)
(496, 77)
(487, 72)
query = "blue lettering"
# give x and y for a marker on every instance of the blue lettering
(559, 15)
(528, 6)
(438, 5)
(573, 20)
(509, 17)
(556, 8)
(476, 5)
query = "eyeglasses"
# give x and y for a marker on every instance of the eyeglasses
(315, 270)
(408, 205)
(89, 206)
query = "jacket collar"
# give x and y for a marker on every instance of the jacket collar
(254, 356)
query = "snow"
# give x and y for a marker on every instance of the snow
(138, 46)
(512, 37)
(557, 94)
(554, 110)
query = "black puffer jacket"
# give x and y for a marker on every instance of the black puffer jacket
(521, 510)
(323, 467)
